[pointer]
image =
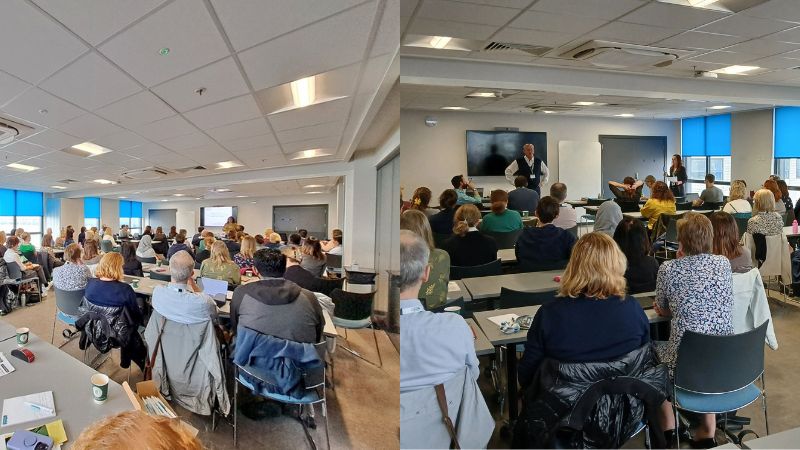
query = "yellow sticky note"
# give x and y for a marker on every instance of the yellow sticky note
(56, 432)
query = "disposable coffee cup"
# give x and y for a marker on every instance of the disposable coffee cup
(22, 336)
(135, 283)
(453, 309)
(249, 273)
(99, 388)
(524, 213)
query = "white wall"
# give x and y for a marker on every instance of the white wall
(430, 156)
(751, 147)
(109, 213)
(72, 214)
(255, 217)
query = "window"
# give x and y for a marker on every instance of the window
(786, 145)
(91, 212)
(22, 209)
(706, 148)
(130, 214)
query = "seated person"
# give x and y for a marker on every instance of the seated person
(28, 269)
(545, 244)
(468, 246)
(319, 287)
(47, 247)
(204, 235)
(649, 181)
(149, 432)
(205, 249)
(711, 194)
(334, 245)
(179, 245)
(181, 300)
(145, 248)
(294, 243)
(727, 244)
(608, 216)
(244, 259)
(232, 242)
(173, 231)
(27, 249)
(772, 185)
(642, 269)
(630, 190)
(108, 235)
(219, 265)
(737, 200)
(501, 219)
(442, 221)
(161, 247)
(662, 201)
(130, 266)
(463, 187)
(276, 306)
(124, 232)
(74, 274)
(696, 291)
(197, 237)
(765, 220)
(420, 201)
(275, 241)
(522, 198)
(3, 247)
(567, 217)
(433, 291)
(312, 258)
(785, 197)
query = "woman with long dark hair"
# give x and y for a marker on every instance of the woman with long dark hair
(678, 171)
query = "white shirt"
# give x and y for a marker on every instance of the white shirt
(567, 217)
(514, 167)
(435, 346)
(739, 205)
(12, 256)
(335, 250)
(109, 237)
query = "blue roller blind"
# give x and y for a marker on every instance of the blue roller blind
(136, 209)
(7, 202)
(124, 208)
(30, 203)
(693, 137)
(91, 208)
(787, 132)
(718, 135)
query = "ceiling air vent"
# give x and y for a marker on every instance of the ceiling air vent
(553, 108)
(67, 181)
(149, 173)
(617, 55)
(189, 169)
(510, 47)
(11, 131)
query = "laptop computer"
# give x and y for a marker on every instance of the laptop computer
(216, 289)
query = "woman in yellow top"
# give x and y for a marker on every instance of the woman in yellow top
(230, 225)
(661, 201)
(220, 266)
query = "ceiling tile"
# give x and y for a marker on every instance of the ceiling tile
(184, 27)
(699, 39)
(264, 140)
(96, 21)
(533, 37)
(321, 130)
(462, 30)
(53, 139)
(121, 141)
(166, 128)
(776, 9)
(334, 42)
(632, 33)
(186, 141)
(136, 110)
(790, 35)
(28, 107)
(544, 21)
(251, 23)
(91, 82)
(465, 12)
(221, 80)
(10, 87)
(741, 25)
(603, 9)
(386, 37)
(35, 46)
(310, 115)
(240, 130)
(677, 16)
(763, 47)
(725, 57)
(89, 127)
(323, 143)
(27, 149)
(225, 112)
(517, 4)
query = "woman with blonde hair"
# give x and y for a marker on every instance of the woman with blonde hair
(108, 235)
(136, 430)
(109, 289)
(434, 291)
(501, 219)
(765, 220)
(74, 274)
(244, 259)
(468, 246)
(219, 265)
(737, 199)
(2, 243)
(91, 254)
(61, 239)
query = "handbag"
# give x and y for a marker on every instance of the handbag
(441, 397)
(148, 365)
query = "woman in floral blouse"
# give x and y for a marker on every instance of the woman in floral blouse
(696, 291)
(765, 220)
(244, 259)
(434, 291)
(73, 275)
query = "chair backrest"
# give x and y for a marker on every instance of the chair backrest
(14, 271)
(151, 260)
(30, 256)
(789, 217)
(68, 301)
(671, 226)
(106, 246)
(709, 205)
(684, 206)
(439, 238)
(542, 266)
(333, 261)
(504, 240)
(493, 268)
(627, 205)
(573, 231)
(352, 306)
(715, 364)
(596, 201)
(741, 222)
(163, 276)
(510, 298)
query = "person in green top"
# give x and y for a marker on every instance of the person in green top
(501, 219)
(220, 266)
(26, 249)
(434, 291)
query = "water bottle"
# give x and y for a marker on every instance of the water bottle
(23, 299)
(794, 226)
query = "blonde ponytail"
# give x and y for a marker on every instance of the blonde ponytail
(466, 216)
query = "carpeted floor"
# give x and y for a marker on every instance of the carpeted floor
(364, 408)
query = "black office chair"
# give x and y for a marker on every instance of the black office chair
(334, 264)
(510, 298)
(439, 238)
(542, 266)
(162, 276)
(596, 201)
(709, 206)
(504, 240)
(627, 205)
(683, 206)
(151, 260)
(493, 268)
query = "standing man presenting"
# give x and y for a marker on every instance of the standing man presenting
(529, 166)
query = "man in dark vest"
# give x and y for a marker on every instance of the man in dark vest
(529, 166)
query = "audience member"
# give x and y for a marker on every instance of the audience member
(433, 291)
(91, 254)
(630, 190)
(642, 270)
(205, 248)
(179, 245)
(522, 198)
(136, 429)
(462, 186)
(145, 248)
(772, 186)
(726, 242)
(198, 237)
(181, 300)
(649, 181)
(442, 221)
(130, 265)
(662, 201)
(501, 219)
(567, 217)
(274, 241)
(244, 259)
(74, 274)
(124, 232)
(148, 231)
(468, 246)
(312, 258)
(546, 245)
(47, 247)
(69, 239)
(334, 245)
(737, 199)
(172, 232)
(28, 269)
(785, 197)
(765, 220)
(3, 247)
(62, 237)
(711, 194)
(608, 216)
(220, 266)
(205, 234)
(82, 235)
(420, 201)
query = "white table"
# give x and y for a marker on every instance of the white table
(507, 256)
(68, 378)
(482, 344)
(789, 233)
(784, 439)
(489, 287)
(459, 292)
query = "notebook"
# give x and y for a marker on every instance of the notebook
(217, 289)
(503, 318)
(16, 411)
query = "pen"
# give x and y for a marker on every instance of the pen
(40, 407)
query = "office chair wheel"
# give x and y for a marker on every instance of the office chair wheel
(739, 437)
(67, 334)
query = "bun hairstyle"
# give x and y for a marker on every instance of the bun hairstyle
(466, 216)
(421, 198)
(499, 201)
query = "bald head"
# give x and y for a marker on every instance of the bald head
(527, 149)
(181, 267)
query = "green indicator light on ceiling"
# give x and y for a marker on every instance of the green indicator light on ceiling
(164, 51)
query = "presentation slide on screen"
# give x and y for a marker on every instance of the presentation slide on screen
(216, 216)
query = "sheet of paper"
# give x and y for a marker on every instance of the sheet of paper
(504, 318)
(5, 365)
(453, 287)
(15, 411)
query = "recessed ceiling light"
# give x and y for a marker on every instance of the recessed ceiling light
(312, 153)
(303, 91)
(179, 195)
(254, 202)
(312, 186)
(440, 41)
(123, 197)
(228, 164)
(483, 94)
(735, 70)
(91, 149)
(455, 108)
(719, 107)
(547, 111)
(241, 196)
(22, 167)
(701, 3)
(584, 103)
(314, 192)
(104, 181)
(164, 200)
(57, 187)
(220, 190)
(624, 115)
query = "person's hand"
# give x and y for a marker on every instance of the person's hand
(193, 285)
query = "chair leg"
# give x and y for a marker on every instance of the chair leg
(53, 335)
(677, 427)
(375, 337)
(235, 405)
(764, 402)
(647, 437)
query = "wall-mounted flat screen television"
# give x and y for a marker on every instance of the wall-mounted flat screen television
(217, 216)
(490, 152)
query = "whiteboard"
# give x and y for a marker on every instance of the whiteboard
(186, 221)
(579, 168)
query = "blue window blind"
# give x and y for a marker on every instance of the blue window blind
(136, 209)
(787, 132)
(718, 135)
(693, 137)
(7, 202)
(30, 203)
(124, 208)
(91, 208)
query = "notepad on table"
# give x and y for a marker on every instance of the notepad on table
(5, 365)
(453, 287)
(503, 318)
(18, 410)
